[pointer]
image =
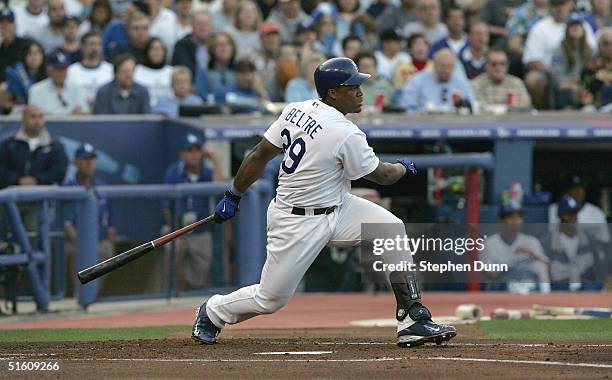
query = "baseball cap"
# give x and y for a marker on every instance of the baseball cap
(244, 66)
(190, 140)
(268, 27)
(567, 204)
(6, 14)
(85, 150)
(574, 19)
(304, 26)
(58, 60)
(575, 181)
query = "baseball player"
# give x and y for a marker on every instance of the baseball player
(323, 151)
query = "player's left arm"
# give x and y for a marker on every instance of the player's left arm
(250, 170)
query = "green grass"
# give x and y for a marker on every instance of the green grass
(588, 329)
(96, 334)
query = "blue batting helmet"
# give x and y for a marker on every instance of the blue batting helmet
(337, 72)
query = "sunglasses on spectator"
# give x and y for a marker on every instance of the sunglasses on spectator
(498, 63)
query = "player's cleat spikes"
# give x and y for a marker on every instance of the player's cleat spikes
(426, 331)
(204, 331)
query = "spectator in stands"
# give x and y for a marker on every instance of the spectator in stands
(377, 7)
(597, 78)
(21, 76)
(138, 38)
(457, 38)
(85, 161)
(288, 14)
(496, 15)
(303, 87)
(393, 18)
(305, 38)
(428, 23)
(523, 253)
(348, 10)
(375, 86)
(225, 15)
(600, 14)
(11, 46)
(324, 19)
(154, 73)
(192, 50)
(221, 66)
(266, 7)
(435, 90)
(518, 27)
(496, 87)
(245, 29)
(246, 94)
(183, 18)
(390, 54)
(92, 71)
(364, 27)
(122, 95)
(116, 32)
(181, 94)
(55, 95)
(162, 24)
(351, 46)
(30, 16)
(592, 216)
(285, 69)
(543, 39)
(575, 256)
(418, 48)
(266, 57)
(473, 55)
(51, 36)
(568, 62)
(194, 252)
(71, 46)
(99, 17)
(32, 156)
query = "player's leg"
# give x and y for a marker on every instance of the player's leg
(294, 241)
(415, 326)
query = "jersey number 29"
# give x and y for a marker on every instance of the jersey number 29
(290, 148)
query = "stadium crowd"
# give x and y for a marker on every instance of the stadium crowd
(152, 56)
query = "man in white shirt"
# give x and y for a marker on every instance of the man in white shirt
(542, 40)
(51, 36)
(390, 54)
(163, 25)
(30, 17)
(55, 95)
(183, 19)
(92, 71)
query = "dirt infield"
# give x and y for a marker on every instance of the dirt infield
(321, 353)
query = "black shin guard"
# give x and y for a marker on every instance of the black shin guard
(408, 297)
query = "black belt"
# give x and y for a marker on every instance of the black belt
(317, 211)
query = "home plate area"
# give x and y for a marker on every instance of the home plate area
(327, 353)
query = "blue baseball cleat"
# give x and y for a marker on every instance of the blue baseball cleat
(425, 331)
(204, 331)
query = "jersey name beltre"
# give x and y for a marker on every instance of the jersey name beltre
(310, 125)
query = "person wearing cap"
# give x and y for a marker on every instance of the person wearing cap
(246, 94)
(72, 44)
(11, 46)
(51, 36)
(265, 59)
(589, 214)
(85, 162)
(577, 258)
(390, 54)
(288, 14)
(434, 90)
(542, 40)
(197, 163)
(122, 95)
(428, 23)
(30, 16)
(55, 95)
(523, 253)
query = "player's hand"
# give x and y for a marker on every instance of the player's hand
(409, 165)
(227, 207)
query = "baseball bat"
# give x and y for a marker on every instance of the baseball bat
(106, 266)
(596, 312)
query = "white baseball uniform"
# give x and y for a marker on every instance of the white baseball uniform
(323, 151)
